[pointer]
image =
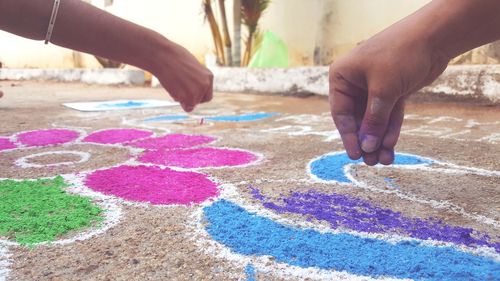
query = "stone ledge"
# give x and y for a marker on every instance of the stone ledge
(90, 76)
(459, 81)
(474, 81)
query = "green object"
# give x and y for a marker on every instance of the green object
(38, 211)
(272, 52)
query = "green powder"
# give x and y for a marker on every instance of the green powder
(38, 211)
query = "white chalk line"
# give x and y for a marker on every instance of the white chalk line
(163, 128)
(301, 130)
(442, 204)
(5, 262)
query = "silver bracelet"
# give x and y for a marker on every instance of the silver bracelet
(52, 21)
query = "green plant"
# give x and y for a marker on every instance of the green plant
(214, 27)
(247, 12)
(251, 12)
(225, 31)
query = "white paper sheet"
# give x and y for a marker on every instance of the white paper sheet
(119, 105)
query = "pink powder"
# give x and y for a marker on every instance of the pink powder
(173, 141)
(5, 143)
(153, 184)
(198, 157)
(47, 137)
(114, 136)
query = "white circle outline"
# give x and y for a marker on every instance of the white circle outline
(23, 161)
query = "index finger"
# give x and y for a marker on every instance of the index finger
(210, 91)
(343, 111)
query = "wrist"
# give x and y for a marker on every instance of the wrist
(155, 55)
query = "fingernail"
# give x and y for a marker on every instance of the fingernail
(386, 157)
(188, 108)
(355, 154)
(369, 143)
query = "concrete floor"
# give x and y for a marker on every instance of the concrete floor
(149, 242)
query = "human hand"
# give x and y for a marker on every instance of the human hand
(368, 88)
(185, 79)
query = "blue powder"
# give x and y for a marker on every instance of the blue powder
(390, 183)
(353, 213)
(249, 234)
(250, 272)
(166, 118)
(331, 167)
(243, 117)
(128, 104)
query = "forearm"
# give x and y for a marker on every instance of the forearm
(454, 27)
(82, 27)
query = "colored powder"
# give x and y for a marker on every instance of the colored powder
(359, 215)
(243, 117)
(173, 141)
(114, 136)
(330, 167)
(390, 183)
(153, 184)
(127, 104)
(198, 157)
(249, 234)
(250, 272)
(166, 118)
(38, 211)
(47, 137)
(5, 143)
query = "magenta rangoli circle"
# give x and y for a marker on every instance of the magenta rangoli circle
(47, 137)
(114, 136)
(173, 141)
(153, 184)
(5, 143)
(198, 157)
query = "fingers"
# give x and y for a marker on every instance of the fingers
(375, 120)
(187, 107)
(193, 99)
(371, 159)
(209, 94)
(343, 108)
(386, 155)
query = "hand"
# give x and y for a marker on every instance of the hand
(368, 88)
(185, 79)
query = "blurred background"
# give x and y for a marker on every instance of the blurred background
(307, 32)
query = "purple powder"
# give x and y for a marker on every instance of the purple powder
(154, 185)
(47, 137)
(5, 143)
(114, 136)
(173, 141)
(198, 157)
(359, 215)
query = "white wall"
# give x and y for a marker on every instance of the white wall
(333, 25)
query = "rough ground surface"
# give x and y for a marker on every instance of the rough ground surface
(169, 242)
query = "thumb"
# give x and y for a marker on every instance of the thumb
(187, 107)
(375, 120)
